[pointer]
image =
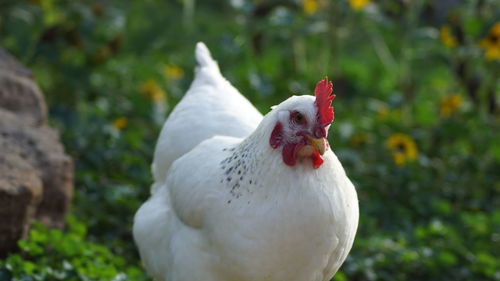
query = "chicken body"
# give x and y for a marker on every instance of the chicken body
(228, 209)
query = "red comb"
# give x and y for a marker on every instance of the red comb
(324, 101)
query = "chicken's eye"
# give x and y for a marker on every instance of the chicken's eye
(298, 118)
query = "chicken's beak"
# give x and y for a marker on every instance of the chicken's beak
(320, 144)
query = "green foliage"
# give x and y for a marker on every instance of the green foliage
(51, 254)
(414, 72)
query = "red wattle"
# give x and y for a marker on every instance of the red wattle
(316, 159)
(290, 151)
(288, 154)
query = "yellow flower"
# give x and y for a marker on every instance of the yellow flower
(120, 123)
(153, 91)
(449, 104)
(447, 37)
(358, 5)
(491, 43)
(310, 6)
(403, 148)
(172, 71)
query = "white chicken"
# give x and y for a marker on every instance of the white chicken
(241, 197)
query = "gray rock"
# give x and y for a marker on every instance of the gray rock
(20, 193)
(41, 149)
(36, 176)
(19, 93)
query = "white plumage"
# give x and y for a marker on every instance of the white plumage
(211, 107)
(225, 206)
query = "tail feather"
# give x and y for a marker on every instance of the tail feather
(207, 72)
(203, 57)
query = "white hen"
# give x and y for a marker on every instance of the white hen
(239, 197)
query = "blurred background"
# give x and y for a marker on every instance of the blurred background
(416, 128)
